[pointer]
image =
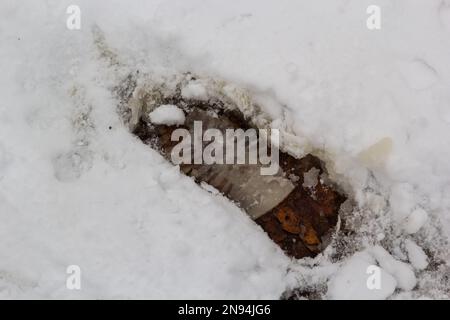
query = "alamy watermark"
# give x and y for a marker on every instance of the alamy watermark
(73, 21)
(234, 146)
(73, 281)
(373, 22)
(374, 279)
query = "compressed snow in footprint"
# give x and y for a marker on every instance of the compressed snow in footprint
(167, 114)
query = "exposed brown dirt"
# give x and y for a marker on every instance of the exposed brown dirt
(300, 223)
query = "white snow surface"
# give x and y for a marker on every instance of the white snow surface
(76, 188)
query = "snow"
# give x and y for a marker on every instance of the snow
(167, 114)
(350, 281)
(401, 201)
(416, 256)
(77, 188)
(402, 272)
(194, 90)
(415, 221)
(310, 178)
(418, 74)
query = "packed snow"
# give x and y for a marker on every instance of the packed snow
(415, 221)
(402, 272)
(194, 90)
(77, 188)
(167, 114)
(350, 281)
(416, 256)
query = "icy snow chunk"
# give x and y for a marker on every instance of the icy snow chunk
(351, 280)
(194, 90)
(167, 114)
(402, 201)
(415, 221)
(416, 256)
(310, 178)
(402, 272)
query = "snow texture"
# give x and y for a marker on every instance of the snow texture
(167, 114)
(350, 282)
(416, 256)
(310, 178)
(415, 221)
(194, 90)
(402, 272)
(76, 187)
